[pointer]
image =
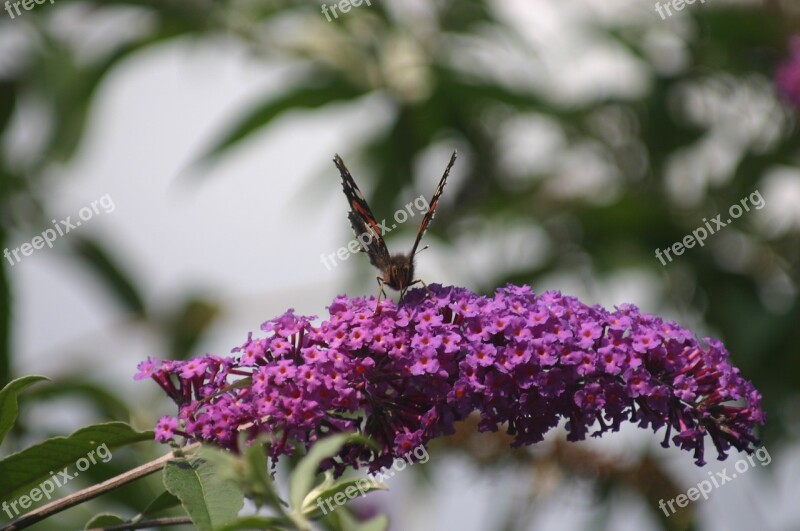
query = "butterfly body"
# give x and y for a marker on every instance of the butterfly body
(397, 271)
(398, 274)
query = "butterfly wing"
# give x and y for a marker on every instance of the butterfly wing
(426, 220)
(363, 222)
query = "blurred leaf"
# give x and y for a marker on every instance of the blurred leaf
(110, 272)
(328, 488)
(302, 478)
(8, 98)
(188, 327)
(250, 470)
(257, 522)
(165, 500)
(72, 86)
(98, 396)
(104, 520)
(257, 479)
(209, 499)
(738, 39)
(34, 464)
(378, 523)
(9, 408)
(5, 310)
(464, 15)
(347, 522)
(328, 89)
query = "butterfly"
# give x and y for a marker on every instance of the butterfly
(397, 271)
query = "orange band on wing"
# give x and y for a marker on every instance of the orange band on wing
(364, 215)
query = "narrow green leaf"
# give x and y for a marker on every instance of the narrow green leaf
(302, 479)
(189, 324)
(8, 99)
(7, 181)
(315, 501)
(259, 482)
(9, 409)
(257, 522)
(249, 470)
(344, 520)
(104, 520)
(379, 523)
(333, 89)
(164, 501)
(33, 465)
(210, 498)
(111, 272)
(100, 397)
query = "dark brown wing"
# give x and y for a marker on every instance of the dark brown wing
(365, 226)
(426, 220)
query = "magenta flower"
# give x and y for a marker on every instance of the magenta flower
(165, 429)
(787, 76)
(404, 375)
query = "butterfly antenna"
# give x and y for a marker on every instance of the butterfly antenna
(415, 254)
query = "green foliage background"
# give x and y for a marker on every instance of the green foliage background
(437, 102)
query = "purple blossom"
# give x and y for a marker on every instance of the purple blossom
(787, 75)
(404, 375)
(165, 428)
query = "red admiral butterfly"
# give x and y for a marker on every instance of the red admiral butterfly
(397, 270)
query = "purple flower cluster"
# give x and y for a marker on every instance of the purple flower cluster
(404, 375)
(787, 76)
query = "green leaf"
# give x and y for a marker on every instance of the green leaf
(258, 481)
(302, 478)
(30, 466)
(379, 523)
(101, 398)
(8, 99)
(6, 185)
(104, 520)
(111, 272)
(257, 522)
(334, 88)
(464, 16)
(210, 498)
(164, 501)
(189, 324)
(72, 87)
(344, 520)
(250, 471)
(9, 408)
(328, 489)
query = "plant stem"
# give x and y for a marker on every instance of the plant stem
(157, 522)
(94, 491)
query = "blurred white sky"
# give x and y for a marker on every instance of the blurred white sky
(253, 229)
